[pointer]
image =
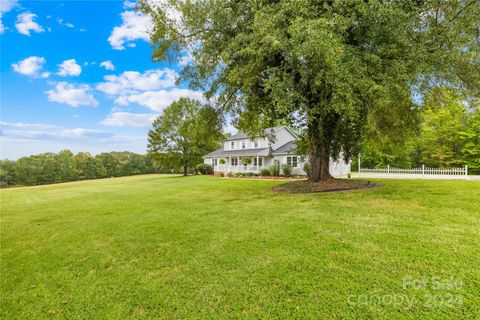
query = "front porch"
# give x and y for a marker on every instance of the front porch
(236, 164)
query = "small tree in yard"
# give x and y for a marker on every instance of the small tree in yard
(328, 66)
(186, 131)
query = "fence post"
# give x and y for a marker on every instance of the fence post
(466, 170)
(358, 160)
(388, 169)
(423, 169)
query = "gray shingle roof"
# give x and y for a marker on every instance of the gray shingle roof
(243, 135)
(240, 152)
(288, 148)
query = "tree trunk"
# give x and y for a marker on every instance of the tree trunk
(320, 164)
(319, 157)
(185, 170)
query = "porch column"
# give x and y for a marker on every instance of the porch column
(238, 163)
(257, 164)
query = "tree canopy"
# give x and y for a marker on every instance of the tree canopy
(329, 67)
(448, 135)
(183, 133)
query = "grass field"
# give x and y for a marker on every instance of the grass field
(209, 248)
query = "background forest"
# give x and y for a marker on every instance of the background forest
(64, 166)
(444, 134)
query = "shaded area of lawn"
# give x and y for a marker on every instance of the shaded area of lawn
(204, 247)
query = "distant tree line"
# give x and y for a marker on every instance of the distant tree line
(65, 166)
(447, 135)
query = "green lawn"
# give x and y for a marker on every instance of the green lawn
(209, 248)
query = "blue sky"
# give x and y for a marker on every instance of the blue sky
(78, 75)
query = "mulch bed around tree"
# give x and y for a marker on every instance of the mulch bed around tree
(306, 186)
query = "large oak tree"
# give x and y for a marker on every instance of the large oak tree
(327, 66)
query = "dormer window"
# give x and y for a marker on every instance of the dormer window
(232, 145)
(255, 144)
(244, 144)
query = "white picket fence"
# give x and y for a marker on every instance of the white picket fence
(421, 170)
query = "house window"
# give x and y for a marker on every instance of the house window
(232, 145)
(260, 161)
(255, 144)
(234, 161)
(244, 144)
(293, 161)
(214, 162)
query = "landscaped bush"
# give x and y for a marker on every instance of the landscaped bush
(221, 174)
(265, 172)
(287, 170)
(275, 170)
(221, 161)
(230, 174)
(307, 168)
(244, 174)
(204, 168)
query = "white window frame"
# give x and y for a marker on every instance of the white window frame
(292, 163)
(244, 144)
(232, 145)
(233, 161)
(260, 162)
(215, 162)
(255, 144)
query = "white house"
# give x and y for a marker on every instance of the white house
(263, 154)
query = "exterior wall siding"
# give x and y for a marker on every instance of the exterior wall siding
(338, 169)
(262, 144)
(282, 136)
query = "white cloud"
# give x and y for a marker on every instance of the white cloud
(154, 89)
(24, 125)
(25, 23)
(31, 66)
(129, 4)
(134, 81)
(57, 133)
(158, 100)
(82, 30)
(69, 68)
(185, 59)
(108, 65)
(65, 24)
(127, 119)
(5, 6)
(41, 130)
(21, 139)
(134, 26)
(73, 95)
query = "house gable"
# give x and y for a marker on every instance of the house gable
(240, 141)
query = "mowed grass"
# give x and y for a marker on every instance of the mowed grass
(170, 247)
